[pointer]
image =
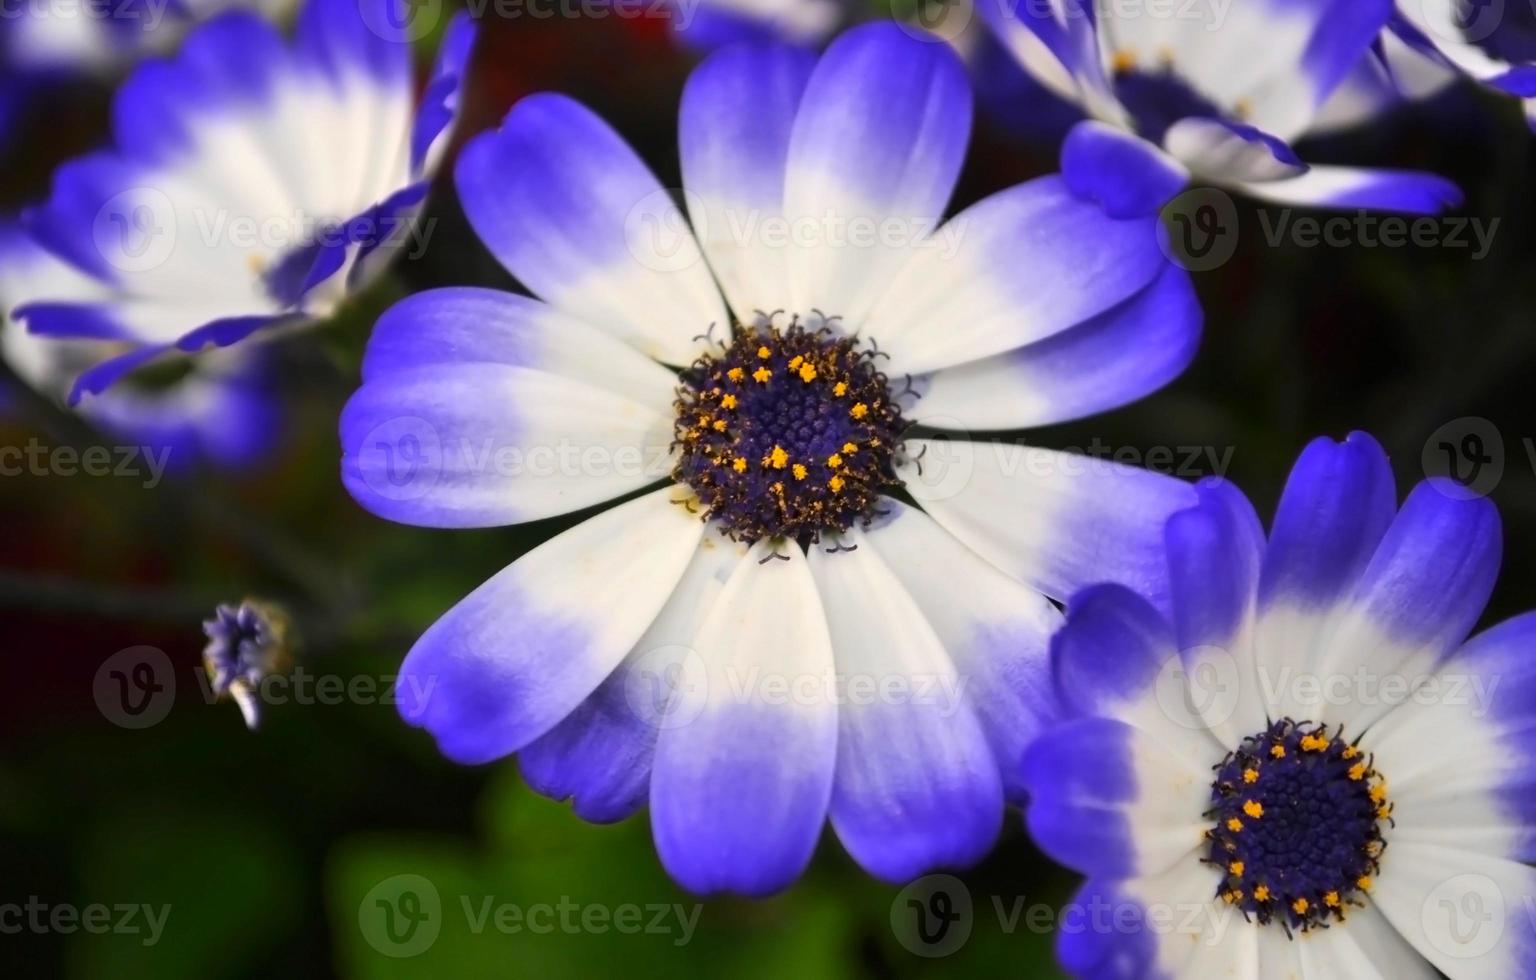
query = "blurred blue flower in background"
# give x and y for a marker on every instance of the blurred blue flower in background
(1304, 756)
(708, 647)
(219, 409)
(254, 183)
(44, 43)
(1491, 41)
(1212, 93)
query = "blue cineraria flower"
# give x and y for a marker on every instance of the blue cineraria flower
(254, 182)
(1208, 92)
(1491, 41)
(1306, 769)
(769, 638)
(221, 409)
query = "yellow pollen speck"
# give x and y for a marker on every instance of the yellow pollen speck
(1357, 771)
(1278, 751)
(807, 373)
(1261, 893)
(1383, 812)
(799, 471)
(1236, 868)
(834, 461)
(1234, 825)
(1243, 108)
(1350, 752)
(1331, 899)
(859, 411)
(1363, 883)
(836, 483)
(840, 389)
(729, 401)
(739, 464)
(1232, 897)
(1250, 775)
(850, 448)
(1254, 809)
(795, 362)
(735, 374)
(761, 375)
(1300, 906)
(1378, 792)
(1124, 60)
(764, 353)
(1313, 743)
(778, 459)
(719, 425)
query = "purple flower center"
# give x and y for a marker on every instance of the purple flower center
(1297, 815)
(787, 433)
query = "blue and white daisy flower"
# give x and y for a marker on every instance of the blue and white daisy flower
(770, 638)
(253, 182)
(1307, 769)
(1206, 92)
(1491, 42)
(222, 410)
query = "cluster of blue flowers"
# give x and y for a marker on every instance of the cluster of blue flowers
(815, 594)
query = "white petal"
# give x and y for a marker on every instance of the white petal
(739, 792)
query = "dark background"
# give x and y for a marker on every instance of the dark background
(266, 845)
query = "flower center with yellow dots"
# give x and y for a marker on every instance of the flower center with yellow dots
(1297, 816)
(787, 433)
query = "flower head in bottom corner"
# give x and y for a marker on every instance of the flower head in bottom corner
(1307, 768)
(771, 639)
